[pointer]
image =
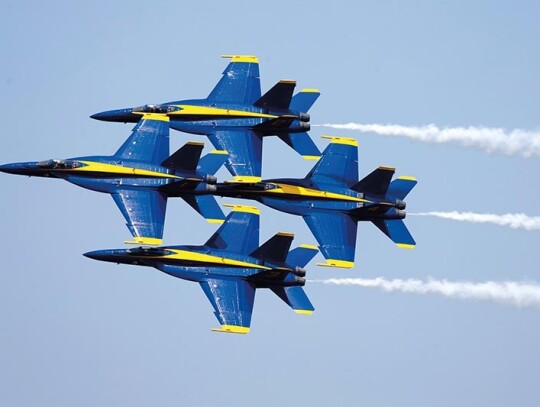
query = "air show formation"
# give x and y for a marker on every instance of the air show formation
(231, 265)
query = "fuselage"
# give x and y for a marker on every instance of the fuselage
(301, 197)
(198, 116)
(106, 173)
(198, 263)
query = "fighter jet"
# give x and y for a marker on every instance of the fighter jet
(230, 266)
(140, 177)
(332, 200)
(236, 118)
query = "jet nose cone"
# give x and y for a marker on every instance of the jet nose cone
(6, 168)
(105, 255)
(16, 168)
(96, 255)
(119, 115)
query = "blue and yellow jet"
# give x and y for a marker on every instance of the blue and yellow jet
(230, 266)
(235, 117)
(140, 176)
(332, 200)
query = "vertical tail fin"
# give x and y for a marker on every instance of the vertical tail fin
(276, 248)
(377, 182)
(401, 186)
(186, 157)
(302, 255)
(303, 100)
(206, 206)
(212, 162)
(396, 230)
(296, 298)
(302, 144)
(279, 96)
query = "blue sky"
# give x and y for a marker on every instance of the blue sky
(73, 330)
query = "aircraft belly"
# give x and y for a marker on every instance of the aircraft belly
(210, 125)
(199, 272)
(303, 206)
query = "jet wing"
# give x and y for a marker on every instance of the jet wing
(240, 82)
(336, 234)
(338, 164)
(149, 141)
(144, 212)
(232, 300)
(240, 231)
(245, 153)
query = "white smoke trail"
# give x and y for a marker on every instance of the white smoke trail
(489, 139)
(512, 220)
(513, 293)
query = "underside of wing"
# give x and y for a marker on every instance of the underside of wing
(240, 231)
(336, 234)
(232, 300)
(240, 83)
(338, 164)
(144, 212)
(245, 153)
(149, 141)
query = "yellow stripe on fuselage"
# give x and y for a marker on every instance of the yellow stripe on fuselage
(162, 117)
(192, 110)
(210, 259)
(91, 166)
(312, 193)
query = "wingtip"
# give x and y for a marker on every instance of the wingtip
(252, 59)
(405, 246)
(342, 140)
(304, 311)
(216, 221)
(337, 263)
(244, 208)
(232, 329)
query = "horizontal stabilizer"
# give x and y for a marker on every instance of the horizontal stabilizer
(303, 100)
(396, 230)
(401, 186)
(377, 182)
(212, 162)
(302, 144)
(278, 97)
(207, 206)
(276, 248)
(302, 255)
(186, 157)
(296, 298)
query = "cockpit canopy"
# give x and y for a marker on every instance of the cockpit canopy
(59, 164)
(156, 109)
(149, 251)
